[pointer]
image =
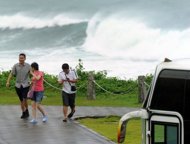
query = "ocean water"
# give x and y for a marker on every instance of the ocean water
(123, 37)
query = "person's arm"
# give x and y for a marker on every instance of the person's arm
(74, 80)
(35, 76)
(9, 79)
(12, 73)
(60, 79)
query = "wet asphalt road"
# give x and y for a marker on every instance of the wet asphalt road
(14, 130)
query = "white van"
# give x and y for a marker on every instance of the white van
(165, 112)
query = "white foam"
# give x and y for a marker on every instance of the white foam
(121, 37)
(21, 20)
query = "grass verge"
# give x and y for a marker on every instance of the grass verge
(108, 127)
(8, 97)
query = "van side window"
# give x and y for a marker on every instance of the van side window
(169, 91)
(164, 133)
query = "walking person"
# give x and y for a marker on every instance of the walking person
(68, 78)
(21, 71)
(38, 87)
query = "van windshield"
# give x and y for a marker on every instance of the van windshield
(170, 90)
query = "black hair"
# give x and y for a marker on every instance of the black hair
(35, 66)
(22, 54)
(65, 66)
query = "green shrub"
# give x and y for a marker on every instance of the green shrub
(111, 88)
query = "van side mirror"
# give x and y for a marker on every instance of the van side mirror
(124, 120)
(121, 131)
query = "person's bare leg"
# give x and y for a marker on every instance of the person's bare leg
(23, 110)
(25, 107)
(39, 106)
(22, 106)
(33, 121)
(65, 111)
(34, 110)
(25, 104)
(72, 111)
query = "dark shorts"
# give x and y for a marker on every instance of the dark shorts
(22, 92)
(68, 99)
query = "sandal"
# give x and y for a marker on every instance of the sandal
(65, 120)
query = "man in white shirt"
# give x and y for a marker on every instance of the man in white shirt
(68, 78)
